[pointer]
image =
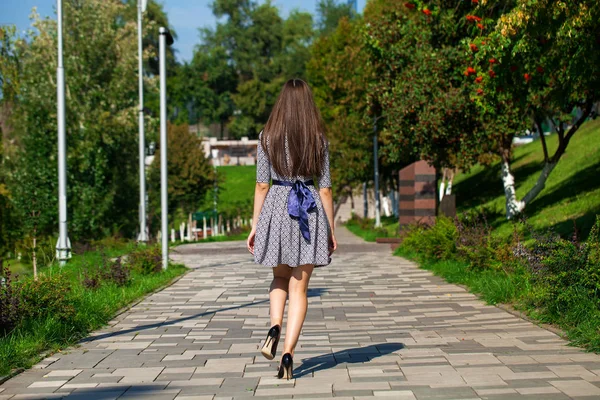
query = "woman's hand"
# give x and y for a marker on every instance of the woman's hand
(250, 241)
(332, 244)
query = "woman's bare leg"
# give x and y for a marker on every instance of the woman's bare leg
(278, 293)
(298, 288)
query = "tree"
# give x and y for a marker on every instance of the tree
(157, 17)
(415, 49)
(339, 74)
(263, 51)
(190, 174)
(10, 56)
(329, 14)
(542, 58)
(101, 125)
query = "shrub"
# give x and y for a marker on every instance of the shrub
(435, 242)
(82, 247)
(45, 297)
(475, 244)
(10, 304)
(118, 273)
(91, 280)
(146, 260)
(571, 264)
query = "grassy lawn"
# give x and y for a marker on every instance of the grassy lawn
(22, 347)
(236, 191)
(572, 191)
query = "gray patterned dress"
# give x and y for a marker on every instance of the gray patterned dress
(278, 237)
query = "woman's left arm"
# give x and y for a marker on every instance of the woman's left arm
(263, 177)
(260, 193)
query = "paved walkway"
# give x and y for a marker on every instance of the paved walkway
(377, 326)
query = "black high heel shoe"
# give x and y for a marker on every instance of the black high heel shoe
(286, 368)
(270, 347)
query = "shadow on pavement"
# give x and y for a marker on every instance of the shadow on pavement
(312, 292)
(349, 356)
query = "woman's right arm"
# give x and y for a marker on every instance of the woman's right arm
(326, 195)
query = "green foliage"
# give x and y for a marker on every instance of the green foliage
(10, 302)
(330, 12)
(433, 242)
(10, 55)
(190, 175)
(476, 245)
(339, 73)
(259, 50)
(528, 46)
(68, 308)
(539, 61)
(146, 261)
(117, 272)
(101, 125)
(365, 227)
(419, 86)
(48, 296)
(567, 270)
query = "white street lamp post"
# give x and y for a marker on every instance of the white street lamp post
(215, 227)
(63, 245)
(164, 39)
(143, 236)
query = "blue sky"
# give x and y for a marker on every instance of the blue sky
(186, 16)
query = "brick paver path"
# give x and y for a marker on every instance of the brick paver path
(377, 326)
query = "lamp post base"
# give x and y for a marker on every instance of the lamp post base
(63, 253)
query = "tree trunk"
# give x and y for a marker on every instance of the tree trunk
(513, 206)
(540, 184)
(451, 175)
(442, 185)
(34, 260)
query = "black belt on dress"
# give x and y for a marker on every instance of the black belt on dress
(300, 202)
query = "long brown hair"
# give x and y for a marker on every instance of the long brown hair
(295, 117)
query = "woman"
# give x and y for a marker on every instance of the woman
(292, 228)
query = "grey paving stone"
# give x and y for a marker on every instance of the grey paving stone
(376, 326)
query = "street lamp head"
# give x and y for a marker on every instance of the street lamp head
(169, 37)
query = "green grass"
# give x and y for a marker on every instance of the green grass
(572, 191)
(365, 228)
(236, 191)
(22, 347)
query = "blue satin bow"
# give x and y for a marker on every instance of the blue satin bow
(300, 203)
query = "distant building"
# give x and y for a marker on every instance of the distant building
(230, 152)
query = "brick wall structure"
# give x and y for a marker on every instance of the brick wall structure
(418, 200)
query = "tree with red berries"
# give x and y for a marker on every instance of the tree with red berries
(416, 51)
(540, 62)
